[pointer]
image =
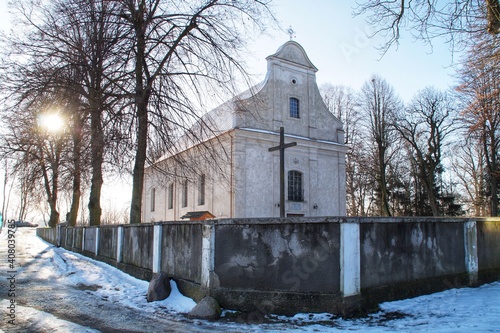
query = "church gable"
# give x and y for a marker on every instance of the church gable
(290, 98)
(294, 53)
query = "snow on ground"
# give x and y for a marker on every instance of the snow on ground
(456, 310)
(49, 322)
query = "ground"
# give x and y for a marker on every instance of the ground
(49, 289)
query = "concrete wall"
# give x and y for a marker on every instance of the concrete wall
(282, 257)
(108, 237)
(398, 252)
(488, 244)
(138, 246)
(322, 264)
(181, 251)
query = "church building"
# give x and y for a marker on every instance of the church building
(229, 171)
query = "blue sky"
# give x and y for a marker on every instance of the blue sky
(337, 45)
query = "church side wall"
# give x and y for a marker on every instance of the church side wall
(211, 159)
(291, 265)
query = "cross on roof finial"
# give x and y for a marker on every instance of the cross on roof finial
(291, 32)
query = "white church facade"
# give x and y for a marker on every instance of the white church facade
(232, 173)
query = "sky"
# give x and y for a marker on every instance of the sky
(337, 44)
(80, 280)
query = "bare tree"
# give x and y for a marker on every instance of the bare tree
(468, 167)
(379, 103)
(425, 125)
(457, 20)
(176, 47)
(479, 91)
(342, 102)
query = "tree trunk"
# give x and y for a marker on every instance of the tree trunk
(97, 148)
(141, 104)
(384, 195)
(54, 214)
(77, 172)
(140, 160)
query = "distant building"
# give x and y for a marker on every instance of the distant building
(233, 174)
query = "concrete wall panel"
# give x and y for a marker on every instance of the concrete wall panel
(292, 257)
(89, 241)
(488, 243)
(181, 250)
(408, 251)
(138, 245)
(107, 242)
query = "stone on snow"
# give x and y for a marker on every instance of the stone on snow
(159, 287)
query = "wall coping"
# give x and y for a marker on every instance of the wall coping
(306, 220)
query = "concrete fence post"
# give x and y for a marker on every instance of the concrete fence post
(157, 247)
(350, 270)
(96, 240)
(83, 238)
(207, 255)
(119, 245)
(470, 245)
(58, 235)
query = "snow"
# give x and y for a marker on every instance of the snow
(455, 310)
(75, 269)
(38, 318)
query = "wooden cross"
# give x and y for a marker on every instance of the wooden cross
(282, 146)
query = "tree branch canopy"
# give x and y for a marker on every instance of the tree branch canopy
(427, 19)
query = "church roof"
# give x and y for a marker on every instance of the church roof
(232, 114)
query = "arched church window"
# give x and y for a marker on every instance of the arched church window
(295, 186)
(294, 107)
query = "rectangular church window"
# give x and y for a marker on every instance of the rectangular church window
(170, 196)
(185, 193)
(153, 199)
(294, 108)
(201, 190)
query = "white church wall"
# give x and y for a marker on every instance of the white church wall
(189, 167)
(257, 176)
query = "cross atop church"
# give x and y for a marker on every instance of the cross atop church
(291, 32)
(281, 147)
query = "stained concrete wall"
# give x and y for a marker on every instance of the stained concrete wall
(138, 246)
(401, 251)
(488, 244)
(321, 264)
(47, 234)
(78, 243)
(107, 242)
(89, 239)
(181, 250)
(270, 255)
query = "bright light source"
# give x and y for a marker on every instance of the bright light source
(52, 122)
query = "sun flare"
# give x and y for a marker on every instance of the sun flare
(52, 122)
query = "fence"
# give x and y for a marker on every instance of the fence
(291, 265)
